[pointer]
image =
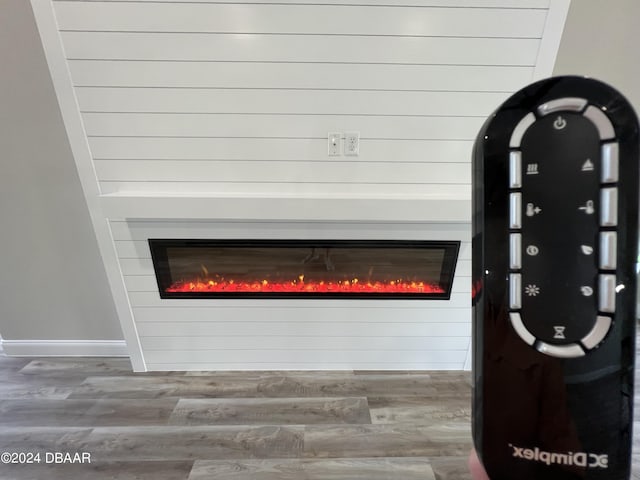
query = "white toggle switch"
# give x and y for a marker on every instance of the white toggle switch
(334, 144)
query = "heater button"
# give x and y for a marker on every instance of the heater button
(571, 350)
(597, 333)
(607, 293)
(515, 251)
(610, 163)
(515, 296)
(609, 208)
(521, 330)
(515, 170)
(515, 210)
(602, 123)
(608, 244)
(567, 103)
(521, 128)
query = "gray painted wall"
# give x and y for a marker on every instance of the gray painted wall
(601, 40)
(52, 283)
(46, 238)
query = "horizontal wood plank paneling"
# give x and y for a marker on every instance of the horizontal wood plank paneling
(296, 19)
(140, 230)
(287, 102)
(255, 304)
(526, 4)
(304, 75)
(442, 192)
(317, 329)
(221, 364)
(268, 80)
(302, 356)
(315, 48)
(341, 207)
(283, 172)
(189, 125)
(274, 149)
(141, 283)
(306, 343)
(300, 312)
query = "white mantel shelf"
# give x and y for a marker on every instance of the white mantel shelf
(421, 210)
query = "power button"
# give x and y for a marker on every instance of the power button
(559, 123)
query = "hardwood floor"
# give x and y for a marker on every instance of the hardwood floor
(232, 425)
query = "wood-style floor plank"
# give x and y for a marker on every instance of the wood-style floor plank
(394, 384)
(418, 409)
(41, 439)
(404, 468)
(236, 425)
(270, 411)
(15, 386)
(262, 425)
(387, 440)
(69, 366)
(236, 385)
(144, 443)
(96, 470)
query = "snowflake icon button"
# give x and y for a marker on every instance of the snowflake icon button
(532, 290)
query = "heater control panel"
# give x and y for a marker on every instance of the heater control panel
(563, 197)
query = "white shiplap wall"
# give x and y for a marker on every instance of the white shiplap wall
(294, 334)
(209, 119)
(238, 97)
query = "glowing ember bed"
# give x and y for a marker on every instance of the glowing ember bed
(303, 268)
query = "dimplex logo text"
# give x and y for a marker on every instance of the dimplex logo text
(579, 459)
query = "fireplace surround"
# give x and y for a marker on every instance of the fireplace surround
(294, 332)
(151, 168)
(304, 268)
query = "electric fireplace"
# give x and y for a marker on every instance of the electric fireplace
(304, 268)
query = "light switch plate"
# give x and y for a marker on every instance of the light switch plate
(334, 144)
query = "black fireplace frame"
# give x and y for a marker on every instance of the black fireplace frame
(158, 248)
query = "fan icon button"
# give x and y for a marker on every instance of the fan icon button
(532, 290)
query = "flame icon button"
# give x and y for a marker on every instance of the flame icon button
(586, 249)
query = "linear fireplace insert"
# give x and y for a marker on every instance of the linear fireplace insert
(304, 268)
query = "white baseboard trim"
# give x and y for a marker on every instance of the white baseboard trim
(65, 348)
